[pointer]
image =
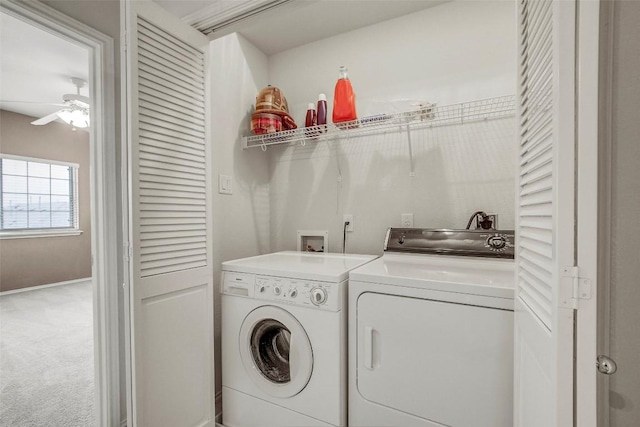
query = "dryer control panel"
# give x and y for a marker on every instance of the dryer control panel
(308, 293)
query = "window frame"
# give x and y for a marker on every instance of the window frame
(74, 230)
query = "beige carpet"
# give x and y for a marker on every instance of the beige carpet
(46, 357)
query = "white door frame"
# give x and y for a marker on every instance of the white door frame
(587, 215)
(103, 194)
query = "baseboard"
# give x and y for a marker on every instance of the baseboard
(124, 422)
(218, 419)
(51, 285)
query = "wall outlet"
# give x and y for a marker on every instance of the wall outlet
(225, 184)
(406, 219)
(348, 218)
(494, 218)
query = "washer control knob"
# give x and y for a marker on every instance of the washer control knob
(318, 296)
(293, 293)
(277, 290)
(262, 288)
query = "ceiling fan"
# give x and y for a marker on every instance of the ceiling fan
(75, 109)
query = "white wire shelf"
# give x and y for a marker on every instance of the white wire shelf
(425, 117)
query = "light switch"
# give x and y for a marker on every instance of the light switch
(225, 184)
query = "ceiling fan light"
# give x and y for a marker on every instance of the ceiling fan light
(75, 118)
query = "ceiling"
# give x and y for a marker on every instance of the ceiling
(303, 21)
(36, 67)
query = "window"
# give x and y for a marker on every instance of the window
(37, 195)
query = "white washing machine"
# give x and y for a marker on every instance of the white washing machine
(431, 331)
(284, 339)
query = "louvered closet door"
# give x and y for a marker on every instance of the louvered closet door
(171, 298)
(544, 317)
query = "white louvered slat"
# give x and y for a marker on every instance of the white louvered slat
(540, 306)
(540, 274)
(170, 202)
(533, 160)
(159, 51)
(163, 141)
(173, 44)
(155, 92)
(537, 186)
(542, 223)
(157, 42)
(160, 73)
(169, 248)
(174, 121)
(167, 158)
(165, 268)
(157, 183)
(169, 70)
(536, 174)
(535, 140)
(535, 238)
(170, 221)
(174, 135)
(171, 154)
(171, 228)
(160, 167)
(162, 256)
(538, 247)
(152, 149)
(172, 194)
(163, 186)
(173, 242)
(176, 130)
(539, 210)
(536, 198)
(539, 292)
(534, 234)
(185, 118)
(148, 215)
(149, 207)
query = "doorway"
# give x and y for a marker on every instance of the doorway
(50, 203)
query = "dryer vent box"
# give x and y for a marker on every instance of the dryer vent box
(313, 240)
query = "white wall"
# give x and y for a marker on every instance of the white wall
(624, 393)
(455, 52)
(240, 220)
(458, 169)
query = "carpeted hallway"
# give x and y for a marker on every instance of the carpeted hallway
(46, 357)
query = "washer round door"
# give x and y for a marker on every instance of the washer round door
(276, 351)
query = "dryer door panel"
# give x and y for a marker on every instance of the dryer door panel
(444, 362)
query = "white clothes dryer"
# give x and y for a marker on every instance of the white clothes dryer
(284, 339)
(431, 331)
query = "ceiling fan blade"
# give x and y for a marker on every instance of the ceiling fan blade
(30, 102)
(46, 119)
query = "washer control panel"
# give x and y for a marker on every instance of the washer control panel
(283, 290)
(309, 293)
